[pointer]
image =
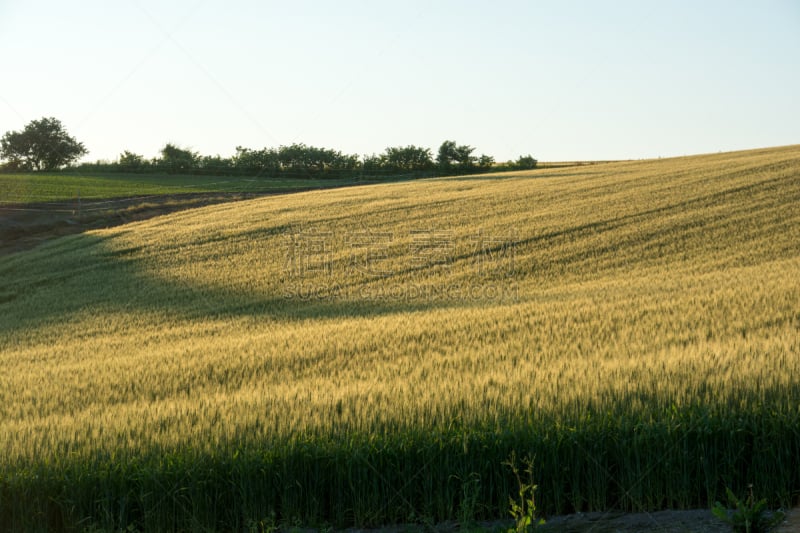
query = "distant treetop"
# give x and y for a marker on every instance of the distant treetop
(43, 144)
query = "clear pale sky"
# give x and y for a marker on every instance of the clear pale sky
(559, 80)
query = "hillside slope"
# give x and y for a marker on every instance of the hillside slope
(635, 325)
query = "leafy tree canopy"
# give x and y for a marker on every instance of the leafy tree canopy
(526, 162)
(43, 144)
(451, 154)
(408, 158)
(176, 159)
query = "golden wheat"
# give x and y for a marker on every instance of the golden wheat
(484, 301)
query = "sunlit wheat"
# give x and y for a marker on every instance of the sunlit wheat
(343, 356)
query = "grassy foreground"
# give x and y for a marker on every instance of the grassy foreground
(372, 355)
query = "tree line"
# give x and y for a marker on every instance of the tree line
(44, 145)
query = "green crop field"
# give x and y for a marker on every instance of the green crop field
(373, 355)
(35, 188)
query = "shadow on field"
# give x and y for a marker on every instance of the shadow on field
(80, 274)
(25, 226)
(595, 457)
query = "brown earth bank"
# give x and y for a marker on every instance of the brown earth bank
(25, 226)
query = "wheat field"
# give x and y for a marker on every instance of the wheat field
(369, 355)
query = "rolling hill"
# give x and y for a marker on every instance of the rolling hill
(374, 354)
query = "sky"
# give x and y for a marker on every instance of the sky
(560, 80)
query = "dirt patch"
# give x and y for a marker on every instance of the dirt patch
(25, 226)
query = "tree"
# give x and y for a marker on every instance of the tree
(130, 161)
(44, 144)
(452, 154)
(304, 159)
(485, 161)
(464, 156)
(448, 152)
(372, 163)
(264, 161)
(526, 162)
(215, 164)
(409, 157)
(175, 159)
